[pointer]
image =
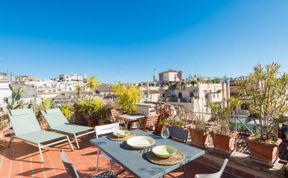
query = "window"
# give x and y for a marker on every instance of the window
(180, 95)
(244, 106)
(191, 94)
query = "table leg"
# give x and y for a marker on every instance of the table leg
(127, 125)
(120, 171)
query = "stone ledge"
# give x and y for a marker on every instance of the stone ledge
(240, 165)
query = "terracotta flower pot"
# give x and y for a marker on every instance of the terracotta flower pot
(92, 122)
(223, 143)
(263, 152)
(198, 137)
(2, 141)
(158, 129)
(1, 133)
(80, 119)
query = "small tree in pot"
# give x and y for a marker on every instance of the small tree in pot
(265, 90)
(223, 137)
(91, 84)
(126, 97)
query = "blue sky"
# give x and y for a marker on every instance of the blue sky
(125, 40)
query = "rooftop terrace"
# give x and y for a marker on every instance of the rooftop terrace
(22, 160)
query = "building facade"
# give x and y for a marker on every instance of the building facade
(170, 76)
(198, 96)
(71, 77)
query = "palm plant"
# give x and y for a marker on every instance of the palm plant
(78, 90)
(92, 83)
(221, 113)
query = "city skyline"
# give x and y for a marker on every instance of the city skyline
(125, 41)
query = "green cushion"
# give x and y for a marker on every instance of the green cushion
(71, 129)
(23, 121)
(54, 117)
(40, 136)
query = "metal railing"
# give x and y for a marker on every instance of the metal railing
(236, 120)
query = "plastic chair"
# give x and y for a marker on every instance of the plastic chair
(103, 130)
(214, 175)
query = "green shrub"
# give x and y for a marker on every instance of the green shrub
(126, 96)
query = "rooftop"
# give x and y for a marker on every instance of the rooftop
(22, 160)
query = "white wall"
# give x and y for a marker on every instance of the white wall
(4, 91)
(206, 93)
(170, 77)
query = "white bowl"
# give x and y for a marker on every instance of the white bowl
(140, 142)
(164, 151)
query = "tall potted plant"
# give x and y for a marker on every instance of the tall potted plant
(265, 90)
(126, 97)
(223, 137)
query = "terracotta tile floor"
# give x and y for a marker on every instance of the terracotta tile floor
(22, 160)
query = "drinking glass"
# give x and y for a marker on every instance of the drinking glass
(165, 133)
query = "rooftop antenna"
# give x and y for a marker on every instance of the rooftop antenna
(154, 75)
(10, 76)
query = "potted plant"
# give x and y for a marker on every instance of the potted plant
(91, 84)
(102, 121)
(223, 137)
(265, 90)
(2, 125)
(126, 97)
(104, 114)
(177, 129)
(107, 111)
(164, 114)
(198, 132)
(46, 103)
(66, 110)
(90, 107)
(79, 115)
(176, 122)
